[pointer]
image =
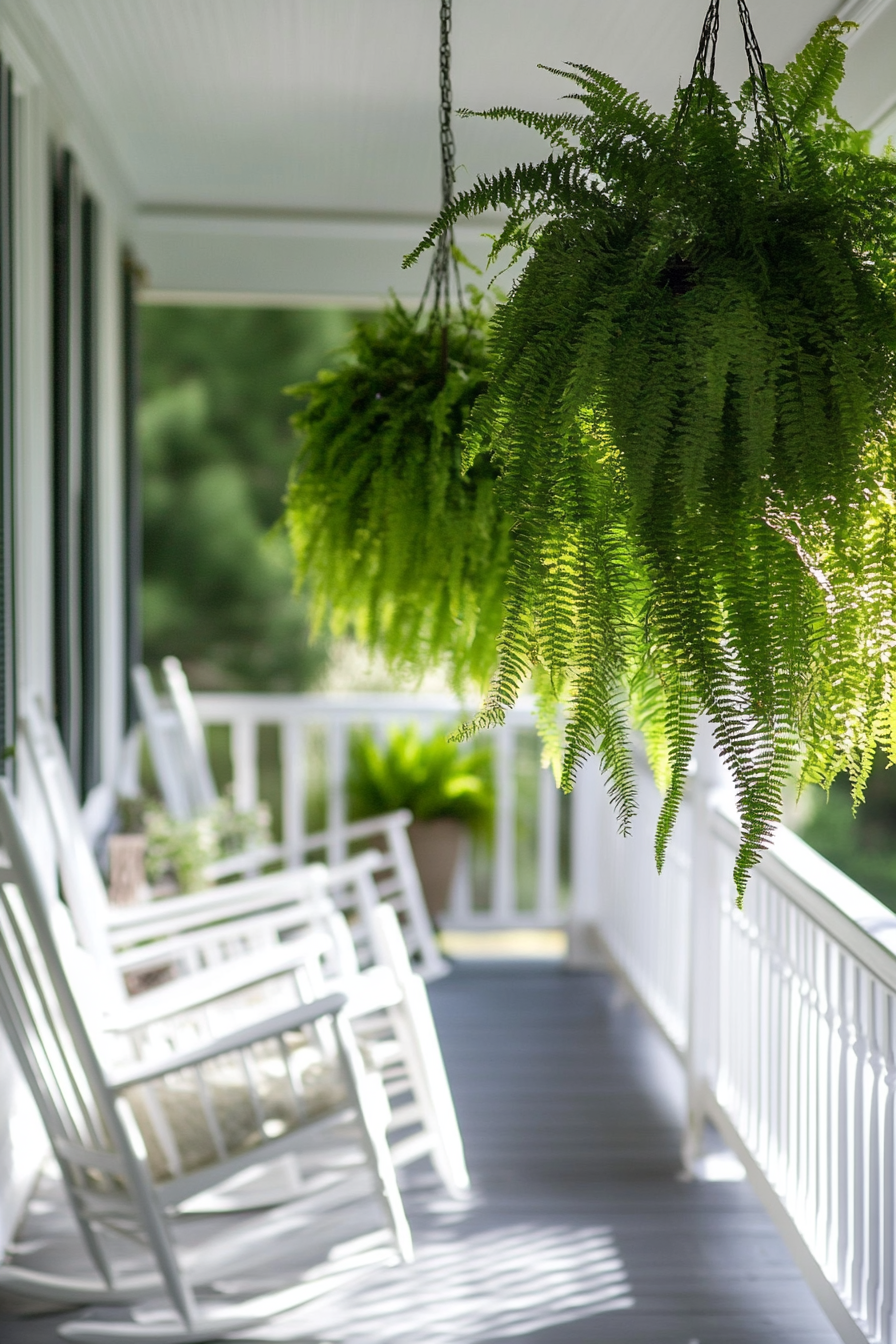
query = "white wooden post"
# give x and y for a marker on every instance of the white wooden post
(337, 770)
(704, 945)
(460, 900)
(585, 856)
(294, 777)
(244, 754)
(548, 848)
(504, 876)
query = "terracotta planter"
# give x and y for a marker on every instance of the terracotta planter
(127, 869)
(436, 845)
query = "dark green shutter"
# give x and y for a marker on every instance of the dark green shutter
(66, 473)
(75, 511)
(91, 766)
(7, 419)
(133, 516)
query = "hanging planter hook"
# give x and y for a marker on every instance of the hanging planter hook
(444, 265)
(705, 70)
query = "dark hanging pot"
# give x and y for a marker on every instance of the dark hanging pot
(691, 412)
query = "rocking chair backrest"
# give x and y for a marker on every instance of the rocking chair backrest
(168, 748)
(95, 1134)
(45, 1026)
(82, 882)
(199, 772)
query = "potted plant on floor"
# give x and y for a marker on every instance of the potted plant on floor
(448, 789)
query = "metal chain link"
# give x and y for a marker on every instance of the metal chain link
(444, 265)
(705, 68)
(446, 134)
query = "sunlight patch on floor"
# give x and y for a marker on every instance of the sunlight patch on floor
(496, 944)
(502, 1283)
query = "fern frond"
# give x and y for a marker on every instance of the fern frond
(806, 87)
(525, 189)
(558, 128)
(398, 542)
(691, 412)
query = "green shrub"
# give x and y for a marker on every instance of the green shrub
(432, 776)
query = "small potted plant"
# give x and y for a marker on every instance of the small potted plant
(448, 789)
(155, 854)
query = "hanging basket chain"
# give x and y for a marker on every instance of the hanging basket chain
(709, 41)
(444, 266)
(704, 61)
(761, 93)
(705, 69)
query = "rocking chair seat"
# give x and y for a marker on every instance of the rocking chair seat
(191, 1120)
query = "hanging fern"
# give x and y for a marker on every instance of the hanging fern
(691, 408)
(398, 543)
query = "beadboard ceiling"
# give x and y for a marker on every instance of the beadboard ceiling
(311, 125)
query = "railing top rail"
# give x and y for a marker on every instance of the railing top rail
(858, 921)
(349, 706)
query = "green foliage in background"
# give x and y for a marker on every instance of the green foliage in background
(216, 447)
(432, 776)
(691, 411)
(861, 843)
(396, 542)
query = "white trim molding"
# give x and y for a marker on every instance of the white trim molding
(289, 258)
(862, 12)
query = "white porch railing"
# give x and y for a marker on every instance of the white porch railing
(784, 1015)
(293, 750)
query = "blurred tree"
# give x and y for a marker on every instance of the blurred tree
(216, 448)
(863, 844)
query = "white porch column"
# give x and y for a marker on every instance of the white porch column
(584, 946)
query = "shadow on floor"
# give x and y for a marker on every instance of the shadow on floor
(579, 1230)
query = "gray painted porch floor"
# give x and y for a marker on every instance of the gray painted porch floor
(578, 1230)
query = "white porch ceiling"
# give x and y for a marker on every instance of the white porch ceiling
(287, 149)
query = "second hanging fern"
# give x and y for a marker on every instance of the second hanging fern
(399, 544)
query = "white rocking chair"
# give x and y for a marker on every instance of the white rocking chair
(387, 1003)
(179, 754)
(279, 931)
(134, 1141)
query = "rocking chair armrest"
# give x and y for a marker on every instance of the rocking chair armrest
(384, 824)
(145, 1071)
(294, 885)
(378, 825)
(214, 983)
(246, 861)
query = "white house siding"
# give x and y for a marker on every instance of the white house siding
(49, 108)
(204, 246)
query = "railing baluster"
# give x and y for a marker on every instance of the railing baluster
(844, 1167)
(888, 1200)
(548, 849)
(859, 1201)
(504, 876)
(244, 754)
(875, 1163)
(294, 772)
(337, 771)
(832, 1109)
